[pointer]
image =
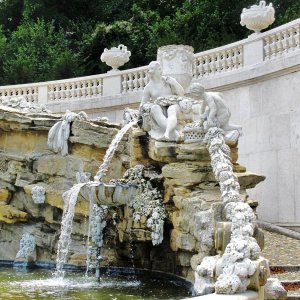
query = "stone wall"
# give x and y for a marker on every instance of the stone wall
(269, 111)
(26, 162)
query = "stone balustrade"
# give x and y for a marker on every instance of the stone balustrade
(282, 40)
(218, 60)
(134, 80)
(227, 59)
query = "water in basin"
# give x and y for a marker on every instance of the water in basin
(40, 284)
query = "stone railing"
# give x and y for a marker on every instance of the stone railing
(282, 40)
(134, 80)
(237, 56)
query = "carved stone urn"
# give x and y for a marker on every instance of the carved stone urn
(115, 57)
(258, 17)
(177, 61)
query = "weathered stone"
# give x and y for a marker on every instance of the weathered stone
(197, 259)
(181, 240)
(274, 290)
(186, 174)
(88, 133)
(23, 142)
(58, 165)
(141, 235)
(11, 215)
(249, 180)
(162, 151)
(184, 258)
(193, 152)
(4, 196)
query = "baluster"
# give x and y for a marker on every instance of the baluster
(200, 71)
(279, 46)
(63, 88)
(146, 78)
(291, 38)
(135, 81)
(141, 80)
(218, 62)
(240, 56)
(130, 82)
(76, 90)
(100, 87)
(297, 36)
(267, 48)
(93, 87)
(206, 65)
(223, 64)
(67, 93)
(56, 92)
(273, 46)
(50, 92)
(211, 64)
(285, 42)
(35, 94)
(124, 84)
(89, 88)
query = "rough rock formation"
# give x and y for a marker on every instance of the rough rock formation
(185, 178)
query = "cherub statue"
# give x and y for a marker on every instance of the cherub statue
(214, 112)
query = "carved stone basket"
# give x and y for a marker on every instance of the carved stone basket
(193, 133)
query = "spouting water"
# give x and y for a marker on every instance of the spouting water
(70, 198)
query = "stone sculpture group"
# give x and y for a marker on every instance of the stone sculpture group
(166, 108)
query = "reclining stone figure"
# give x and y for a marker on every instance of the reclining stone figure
(155, 115)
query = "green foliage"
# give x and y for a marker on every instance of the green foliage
(53, 39)
(36, 52)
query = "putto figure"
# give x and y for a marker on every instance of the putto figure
(214, 112)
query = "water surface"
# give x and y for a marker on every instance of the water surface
(39, 284)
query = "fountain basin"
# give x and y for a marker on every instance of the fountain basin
(116, 283)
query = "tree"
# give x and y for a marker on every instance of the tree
(36, 52)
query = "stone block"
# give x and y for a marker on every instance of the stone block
(187, 174)
(162, 151)
(141, 235)
(4, 196)
(11, 215)
(58, 165)
(182, 241)
(184, 258)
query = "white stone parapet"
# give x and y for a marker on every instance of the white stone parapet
(228, 59)
(222, 59)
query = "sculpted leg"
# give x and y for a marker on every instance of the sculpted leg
(158, 116)
(171, 132)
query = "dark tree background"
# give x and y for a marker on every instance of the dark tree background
(54, 39)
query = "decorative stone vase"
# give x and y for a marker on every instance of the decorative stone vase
(258, 17)
(116, 57)
(177, 61)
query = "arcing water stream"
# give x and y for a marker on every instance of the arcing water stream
(70, 198)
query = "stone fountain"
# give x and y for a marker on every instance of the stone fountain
(169, 186)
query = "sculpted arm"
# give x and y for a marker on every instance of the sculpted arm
(176, 87)
(146, 97)
(212, 110)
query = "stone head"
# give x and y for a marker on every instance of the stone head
(186, 106)
(196, 91)
(154, 70)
